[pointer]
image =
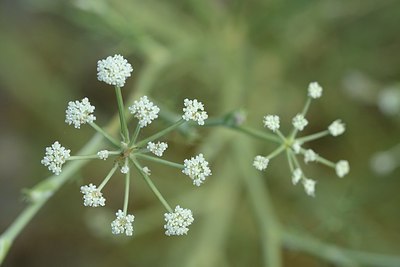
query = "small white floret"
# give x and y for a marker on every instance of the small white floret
(145, 111)
(309, 186)
(79, 112)
(146, 170)
(197, 169)
(260, 163)
(103, 154)
(299, 122)
(92, 196)
(125, 169)
(122, 224)
(157, 148)
(296, 176)
(272, 122)
(177, 222)
(310, 156)
(114, 70)
(296, 146)
(55, 157)
(194, 110)
(336, 128)
(314, 90)
(342, 168)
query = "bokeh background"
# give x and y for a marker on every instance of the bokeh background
(258, 56)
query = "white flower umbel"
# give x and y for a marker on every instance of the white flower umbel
(272, 122)
(177, 222)
(122, 224)
(114, 70)
(342, 168)
(79, 112)
(309, 186)
(260, 163)
(145, 111)
(125, 169)
(197, 169)
(194, 110)
(314, 90)
(310, 156)
(299, 122)
(55, 157)
(336, 128)
(296, 176)
(103, 154)
(92, 196)
(157, 148)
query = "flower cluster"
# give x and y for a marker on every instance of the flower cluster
(197, 169)
(177, 222)
(79, 112)
(55, 157)
(129, 152)
(114, 70)
(293, 145)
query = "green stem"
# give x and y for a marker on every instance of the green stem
(151, 185)
(135, 135)
(160, 160)
(109, 175)
(127, 182)
(106, 135)
(42, 192)
(312, 137)
(276, 152)
(258, 134)
(161, 133)
(304, 113)
(121, 111)
(289, 159)
(83, 157)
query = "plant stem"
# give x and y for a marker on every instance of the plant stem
(312, 137)
(161, 133)
(135, 135)
(258, 134)
(276, 152)
(106, 135)
(108, 177)
(127, 182)
(162, 161)
(121, 111)
(151, 185)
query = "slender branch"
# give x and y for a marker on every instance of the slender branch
(257, 134)
(161, 133)
(105, 134)
(160, 160)
(151, 185)
(312, 137)
(108, 177)
(121, 111)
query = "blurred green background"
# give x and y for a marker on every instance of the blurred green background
(255, 55)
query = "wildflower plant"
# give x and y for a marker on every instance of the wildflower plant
(128, 153)
(295, 146)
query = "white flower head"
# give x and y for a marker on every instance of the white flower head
(92, 196)
(103, 154)
(314, 90)
(310, 156)
(177, 222)
(296, 176)
(309, 186)
(342, 168)
(194, 110)
(197, 169)
(157, 148)
(272, 122)
(79, 112)
(114, 70)
(260, 163)
(296, 146)
(125, 169)
(122, 224)
(55, 157)
(299, 122)
(146, 170)
(336, 128)
(145, 111)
